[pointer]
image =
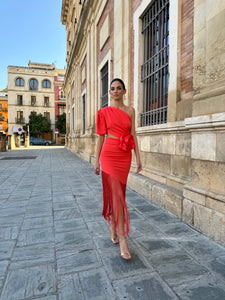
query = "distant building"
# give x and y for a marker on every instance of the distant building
(60, 99)
(31, 90)
(60, 102)
(4, 111)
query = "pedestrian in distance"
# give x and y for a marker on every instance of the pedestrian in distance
(116, 139)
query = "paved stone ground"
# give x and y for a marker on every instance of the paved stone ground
(55, 245)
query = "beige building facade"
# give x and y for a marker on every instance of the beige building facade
(31, 90)
(170, 55)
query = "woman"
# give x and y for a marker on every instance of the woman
(117, 137)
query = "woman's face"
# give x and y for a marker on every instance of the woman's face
(116, 91)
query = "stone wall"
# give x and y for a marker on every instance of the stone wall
(183, 160)
(185, 172)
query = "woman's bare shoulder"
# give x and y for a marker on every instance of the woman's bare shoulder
(129, 109)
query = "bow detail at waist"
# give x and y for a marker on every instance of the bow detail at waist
(126, 142)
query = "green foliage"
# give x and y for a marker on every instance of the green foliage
(37, 125)
(61, 123)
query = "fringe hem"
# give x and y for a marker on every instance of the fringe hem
(114, 205)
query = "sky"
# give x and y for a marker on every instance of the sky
(31, 31)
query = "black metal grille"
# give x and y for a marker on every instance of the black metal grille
(154, 71)
(104, 79)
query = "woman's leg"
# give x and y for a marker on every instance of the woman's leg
(122, 237)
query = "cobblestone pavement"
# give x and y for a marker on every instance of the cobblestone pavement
(55, 245)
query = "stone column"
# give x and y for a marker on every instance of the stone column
(2, 142)
(18, 141)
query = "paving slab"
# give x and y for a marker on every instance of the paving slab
(204, 288)
(144, 287)
(177, 267)
(29, 282)
(32, 255)
(55, 244)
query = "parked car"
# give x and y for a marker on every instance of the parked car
(39, 141)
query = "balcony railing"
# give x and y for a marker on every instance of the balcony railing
(4, 109)
(20, 120)
(19, 102)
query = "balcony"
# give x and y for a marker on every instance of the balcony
(19, 102)
(2, 119)
(20, 120)
(3, 109)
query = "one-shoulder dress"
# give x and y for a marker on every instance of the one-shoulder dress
(115, 159)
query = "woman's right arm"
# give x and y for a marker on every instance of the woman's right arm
(100, 142)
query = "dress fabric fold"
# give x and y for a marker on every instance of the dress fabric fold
(115, 162)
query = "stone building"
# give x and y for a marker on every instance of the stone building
(31, 90)
(170, 55)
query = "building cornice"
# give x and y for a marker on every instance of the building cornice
(79, 35)
(64, 11)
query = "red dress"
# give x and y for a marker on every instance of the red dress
(115, 161)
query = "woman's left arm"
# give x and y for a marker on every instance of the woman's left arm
(136, 148)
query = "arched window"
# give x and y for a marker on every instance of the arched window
(19, 82)
(46, 84)
(33, 84)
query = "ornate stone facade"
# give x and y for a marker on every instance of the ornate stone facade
(183, 156)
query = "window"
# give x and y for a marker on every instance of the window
(62, 109)
(33, 100)
(104, 81)
(154, 71)
(19, 119)
(46, 84)
(19, 100)
(33, 84)
(47, 115)
(0, 106)
(1, 117)
(19, 82)
(46, 101)
(84, 114)
(61, 94)
(1, 127)
(60, 77)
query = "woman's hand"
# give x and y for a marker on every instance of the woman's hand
(139, 166)
(97, 168)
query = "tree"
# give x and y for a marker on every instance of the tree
(61, 123)
(37, 125)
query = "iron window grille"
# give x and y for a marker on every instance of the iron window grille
(155, 69)
(104, 80)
